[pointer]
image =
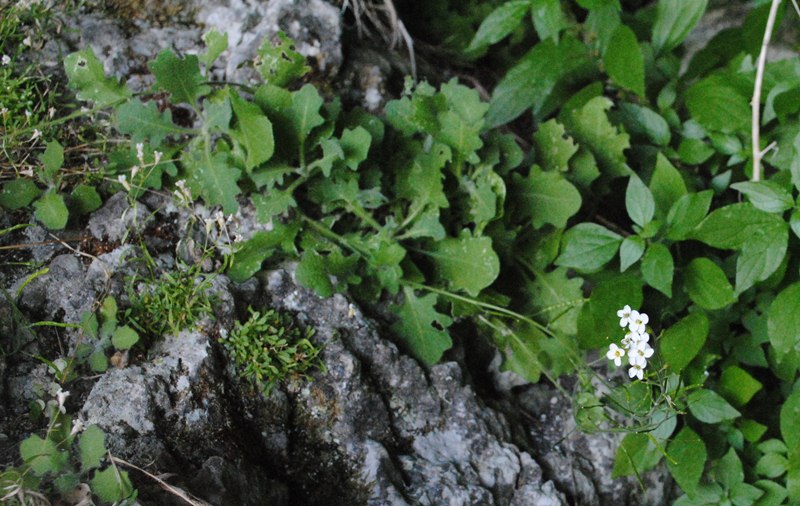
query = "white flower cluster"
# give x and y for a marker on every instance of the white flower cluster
(636, 343)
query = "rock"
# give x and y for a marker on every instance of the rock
(61, 294)
(117, 218)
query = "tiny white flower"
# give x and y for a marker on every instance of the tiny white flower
(638, 337)
(638, 322)
(629, 339)
(3, 111)
(6, 59)
(643, 351)
(157, 157)
(61, 396)
(615, 353)
(124, 182)
(77, 426)
(624, 316)
(637, 371)
(134, 171)
(27, 41)
(237, 237)
(140, 152)
(51, 112)
(36, 134)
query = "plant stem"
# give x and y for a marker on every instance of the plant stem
(756, 101)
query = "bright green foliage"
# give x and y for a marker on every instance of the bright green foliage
(590, 127)
(253, 131)
(423, 328)
(213, 177)
(707, 285)
(180, 77)
(738, 386)
(143, 122)
(766, 195)
(681, 342)
(499, 24)
(87, 77)
(546, 197)
(18, 193)
(553, 148)
(674, 20)
(687, 459)
(52, 159)
(216, 43)
(92, 447)
(588, 247)
(635, 454)
(467, 263)
(279, 64)
(124, 338)
(784, 320)
(623, 60)
(658, 268)
(51, 210)
(630, 251)
(270, 347)
(111, 484)
(709, 407)
(639, 202)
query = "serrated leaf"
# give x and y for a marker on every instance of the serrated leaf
(52, 159)
(279, 64)
(548, 18)
(545, 197)
(40, 454)
(420, 182)
(630, 251)
(251, 254)
(557, 299)
(707, 285)
(86, 199)
(216, 43)
(718, 106)
(688, 455)
(124, 338)
(674, 20)
(18, 193)
(783, 323)
(667, 185)
(92, 447)
(217, 113)
(312, 273)
(253, 131)
(498, 24)
(624, 62)
(422, 327)
(658, 268)
(487, 193)
(708, 407)
(304, 112)
(639, 201)
(51, 210)
(111, 484)
(587, 247)
(553, 147)
(686, 213)
(213, 178)
(766, 195)
(144, 122)
(87, 77)
(591, 128)
(466, 263)
(179, 76)
(683, 340)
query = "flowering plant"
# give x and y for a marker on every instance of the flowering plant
(636, 343)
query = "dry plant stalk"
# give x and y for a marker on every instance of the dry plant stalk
(755, 104)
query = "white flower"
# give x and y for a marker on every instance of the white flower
(124, 182)
(134, 171)
(61, 396)
(6, 59)
(51, 112)
(27, 41)
(637, 371)
(140, 152)
(77, 426)
(624, 316)
(615, 353)
(638, 322)
(3, 111)
(36, 134)
(639, 353)
(638, 337)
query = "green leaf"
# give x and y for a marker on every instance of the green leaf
(707, 285)
(18, 193)
(92, 447)
(545, 197)
(708, 407)
(557, 299)
(630, 251)
(718, 106)
(280, 64)
(590, 126)
(86, 198)
(639, 201)
(124, 338)
(687, 459)
(744, 494)
(624, 62)
(729, 472)
(737, 386)
(686, 213)
(52, 159)
(40, 454)
(253, 131)
(774, 494)
(251, 254)
(272, 203)
(98, 361)
(766, 195)
(790, 424)
(216, 43)
(111, 484)
(597, 321)
(553, 147)
(312, 273)
(643, 121)
(771, 465)
(694, 151)
(422, 327)
(51, 210)
(587, 247)
(144, 122)
(304, 112)
(355, 145)
(683, 340)
(667, 186)
(87, 77)
(783, 323)
(460, 125)
(658, 268)
(548, 18)
(674, 20)
(635, 454)
(466, 263)
(498, 24)
(179, 76)
(213, 178)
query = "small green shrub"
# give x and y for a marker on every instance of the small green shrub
(271, 346)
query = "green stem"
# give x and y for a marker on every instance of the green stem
(330, 234)
(367, 218)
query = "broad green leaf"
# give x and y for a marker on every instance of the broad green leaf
(688, 455)
(548, 18)
(600, 25)
(674, 20)
(111, 484)
(213, 178)
(179, 76)
(630, 251)
(645, 122)
(304, 112)
(461, 124)
(790, 430)
(18, 193)
(591, 128)
(718, 106)
(686, 213)
(279, 64)
(774, 494)
(312, 273)
(635, 454)
(694, 151)
(771, 465)
(253, 130)
(422, 327)
(729, 472)
(85, 199)
(658, 268)
(597, 320)
(639, 201)
(521, 349)
(707, 285)
(124, 338)
(766, 195)
(708, 407)
(545, 197)
(420, 181)
(752, 430)
(40, 454)
(498, 24)
(251, 254)
(557, 299)
(144, 122)
(466, 263)
(587, 247)
(794, 220)
(98, 361)
(216, 43)
(553, 147)
(745, 494)
(92, 447)
(217, 114)
(624, 62)
(667, 186)
(355, 145)
(683, 340)
(52, 159)
(87, 77)
(738, 386)
(51, 210)
(783, 323)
